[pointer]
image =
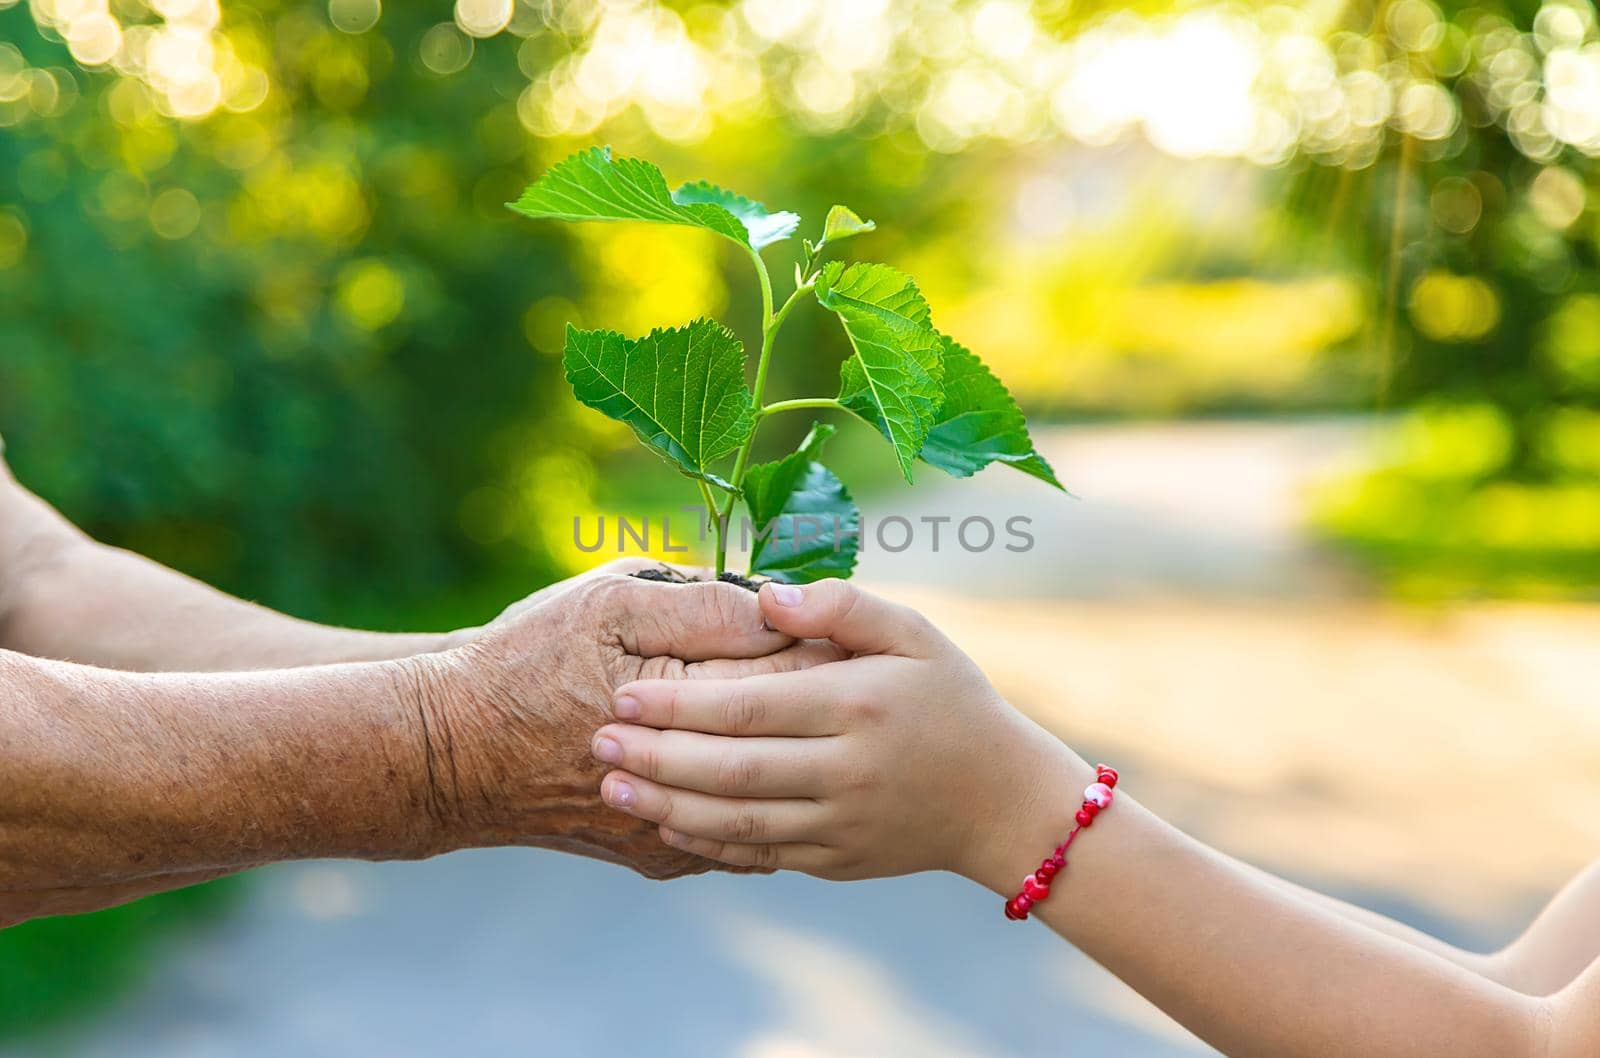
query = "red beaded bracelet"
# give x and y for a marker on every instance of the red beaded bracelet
(1036, 886)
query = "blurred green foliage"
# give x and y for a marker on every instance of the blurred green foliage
(276, 349)
(1488, 248)
(55, 968)
(1446, 514)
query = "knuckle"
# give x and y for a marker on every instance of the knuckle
(741, 712)
(672, 705)
(603, 596)
(666, 808)
(737, 774)
(846, 869)
(644, 759)
(791, 660)
(605, 586)
(661, 667)
(746, 825)
(845, 597)
(765, 856)
(860, 708)
(820, 652)
(723, 605)
(861, 779)
(919, 630)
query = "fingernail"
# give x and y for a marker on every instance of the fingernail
(608, 749)
(787, 594)
(619, 794)
(626, 708)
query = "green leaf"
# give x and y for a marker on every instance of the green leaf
(682, 390)
(591, 185)
(806, 525)
(761, 228)
(893, 381)
(843, 223)
(979, 423)
(876, 289)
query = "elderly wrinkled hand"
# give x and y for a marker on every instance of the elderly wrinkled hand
(507, 719)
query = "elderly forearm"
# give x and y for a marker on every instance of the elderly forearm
(64, 596)
(101, 606)
(112, 777)
(1252, 968)
(20, 906)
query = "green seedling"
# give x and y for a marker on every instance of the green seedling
(683, 390)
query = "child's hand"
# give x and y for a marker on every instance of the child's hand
(901, 759)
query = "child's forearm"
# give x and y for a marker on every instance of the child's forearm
(1247, 965)
(904, 758)
(1562, 942)
(1495, 966)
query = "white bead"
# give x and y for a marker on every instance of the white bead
(1098, 794)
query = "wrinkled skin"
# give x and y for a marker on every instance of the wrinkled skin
(484, 742)
(508, 718)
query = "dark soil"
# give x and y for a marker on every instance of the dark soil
(668, 575)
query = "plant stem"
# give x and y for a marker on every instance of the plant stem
(770, 324)
(766, 289)
(769, 335)
(804, 402)
(716, 526)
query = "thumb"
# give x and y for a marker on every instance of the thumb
(856, 620)
(693, 621)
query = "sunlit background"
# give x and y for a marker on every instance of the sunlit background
(1304, 301)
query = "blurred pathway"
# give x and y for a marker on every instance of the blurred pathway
(1173, 618)
(1199, 510)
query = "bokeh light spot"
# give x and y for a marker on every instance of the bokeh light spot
(1557, 197)
(1415, 25)
(1570, 440)
(13, 239)
(175, 213)
(244, 88)
(545, 323)
(483, 18)
(1427, 111)
(1572, 339)
(13, 70)
(354, 16)
(42, 175)
(44, 92)
(371, 294)
(1452, 441)
(1562, 25)
(445, 50)
(1457, 204)
(94, 38)
(325, 892)
(1454, 308)
(123, 196)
